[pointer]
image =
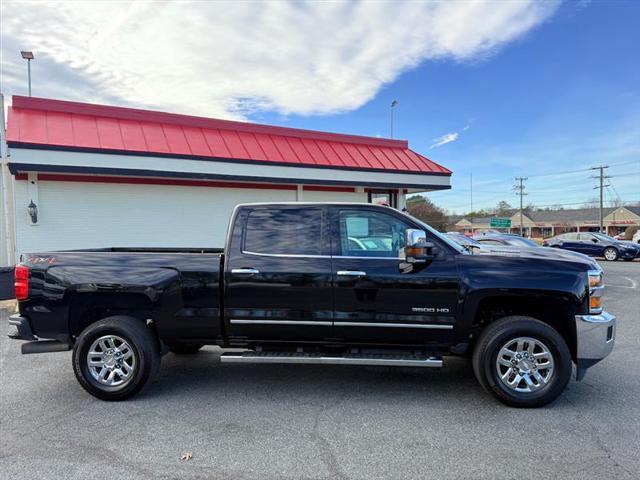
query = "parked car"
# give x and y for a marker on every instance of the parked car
(462, 239)
(290, 286)
(636, 237)
(595, 244)
(619, 236)
(515, 247)
(507, 239)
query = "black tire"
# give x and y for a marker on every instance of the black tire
(185, 349)
(497, 335)
(613, 254)
(145, 349)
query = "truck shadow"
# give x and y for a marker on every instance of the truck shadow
(198, 378)
(203, 374)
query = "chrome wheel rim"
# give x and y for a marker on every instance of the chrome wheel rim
(524, 364)
(610, 254)
(111, 361)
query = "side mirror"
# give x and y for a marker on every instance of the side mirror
(594, 240)
(417, 249)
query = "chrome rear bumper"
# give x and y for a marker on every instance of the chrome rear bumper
(595, 338)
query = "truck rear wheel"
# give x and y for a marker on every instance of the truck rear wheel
(116, 358)
(522, 361)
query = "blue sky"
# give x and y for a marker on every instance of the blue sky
(521, 88)
(564, 97)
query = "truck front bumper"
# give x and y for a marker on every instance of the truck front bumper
(596, 335)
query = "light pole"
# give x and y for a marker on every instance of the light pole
(393, 105)
(28, 56)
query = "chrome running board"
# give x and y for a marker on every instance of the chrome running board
(318, 359)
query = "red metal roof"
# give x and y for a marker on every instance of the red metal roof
(80, 126)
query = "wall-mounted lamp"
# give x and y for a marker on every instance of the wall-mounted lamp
(33, 212)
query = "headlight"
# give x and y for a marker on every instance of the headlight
(596, 290)
(595, 279)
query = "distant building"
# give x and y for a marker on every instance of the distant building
(547, 223)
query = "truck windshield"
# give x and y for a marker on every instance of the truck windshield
(456, 246)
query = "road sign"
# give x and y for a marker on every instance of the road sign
(496, 222)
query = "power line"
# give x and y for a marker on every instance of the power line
(582, 202)
(637, 162)
(567, 172)
(630, 174)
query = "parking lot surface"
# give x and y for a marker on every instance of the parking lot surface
(317, 422)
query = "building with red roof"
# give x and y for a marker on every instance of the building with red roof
(111, 176)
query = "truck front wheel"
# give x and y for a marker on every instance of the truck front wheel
(522, 361)
(116, 358)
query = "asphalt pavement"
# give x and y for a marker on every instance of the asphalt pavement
(323, 422)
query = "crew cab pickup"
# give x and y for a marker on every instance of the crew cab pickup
(319, 283)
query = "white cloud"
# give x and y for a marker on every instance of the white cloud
(230, 59)
(444, 139)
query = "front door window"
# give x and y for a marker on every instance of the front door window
(370, 234)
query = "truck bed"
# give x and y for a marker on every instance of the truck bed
(179, 288)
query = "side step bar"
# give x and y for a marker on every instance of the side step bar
(316, 359)
(44, 346)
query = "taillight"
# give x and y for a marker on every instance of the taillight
(21, 282)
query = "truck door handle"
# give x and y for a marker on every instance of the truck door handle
(352, 273)
(245, 271)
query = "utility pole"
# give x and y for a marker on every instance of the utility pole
(519, 188)
(393, 106)
(601, 186)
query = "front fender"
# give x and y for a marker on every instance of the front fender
(480, 284)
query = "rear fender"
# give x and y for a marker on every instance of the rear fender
(140, 291)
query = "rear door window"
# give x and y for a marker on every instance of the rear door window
(284, 231)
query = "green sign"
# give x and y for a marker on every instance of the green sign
(496, 222)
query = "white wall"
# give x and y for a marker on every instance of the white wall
(313, 196)
(93, 215)
(233, 169)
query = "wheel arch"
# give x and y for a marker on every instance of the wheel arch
(88, 308)
(557, 311)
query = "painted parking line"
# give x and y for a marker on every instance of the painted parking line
(632, 284)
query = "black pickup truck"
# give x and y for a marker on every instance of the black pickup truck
(349, 284)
